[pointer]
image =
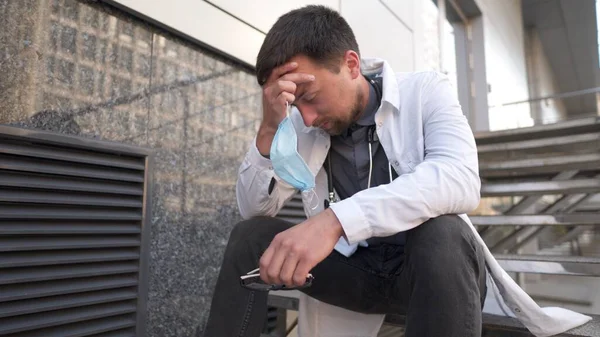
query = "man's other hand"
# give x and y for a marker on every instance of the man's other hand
(294, 252)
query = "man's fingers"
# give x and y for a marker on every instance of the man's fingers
(288, 83)
(288, 269)
(274, 268)
(298, 78)
(286, 86)
(264, 263)
(272, 260)
(286, 97)
(302, 270)
(281, 70)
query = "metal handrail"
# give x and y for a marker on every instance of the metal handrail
(553, 96)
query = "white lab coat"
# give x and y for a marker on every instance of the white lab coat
(429, 143)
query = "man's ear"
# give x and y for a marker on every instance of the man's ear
(352, 62)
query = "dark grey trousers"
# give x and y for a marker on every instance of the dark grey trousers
(437, 279)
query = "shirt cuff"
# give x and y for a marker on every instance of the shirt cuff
(353, 220)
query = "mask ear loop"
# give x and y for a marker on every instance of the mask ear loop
(313, 199)
(287, 108)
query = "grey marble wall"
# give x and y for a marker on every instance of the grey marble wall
(82, 68)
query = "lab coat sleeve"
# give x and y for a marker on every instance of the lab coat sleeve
(445, 182)
(252, 187)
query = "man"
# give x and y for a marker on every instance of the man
(399, 154)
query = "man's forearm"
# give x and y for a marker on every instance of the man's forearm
(264, 139)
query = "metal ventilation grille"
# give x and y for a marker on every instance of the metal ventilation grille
(73, 243)
(292, 210)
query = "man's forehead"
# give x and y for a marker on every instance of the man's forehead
(308, 66)
(304, 62)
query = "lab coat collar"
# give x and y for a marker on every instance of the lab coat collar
(377, 66)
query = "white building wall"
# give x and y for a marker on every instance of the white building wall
(203, 22)
(542, 82)
(384, 28)
(430, 47)
(392, 29)
(505, 63)
(262, 14)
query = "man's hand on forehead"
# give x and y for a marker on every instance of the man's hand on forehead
(283, 83)
(279, 91)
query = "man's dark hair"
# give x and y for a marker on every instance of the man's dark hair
(315, 31)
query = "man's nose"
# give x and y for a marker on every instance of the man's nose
(309, 115)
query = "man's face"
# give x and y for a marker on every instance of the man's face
(333, 100)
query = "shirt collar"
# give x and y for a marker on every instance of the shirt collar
(377, 66)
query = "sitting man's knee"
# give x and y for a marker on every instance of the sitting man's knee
(446, 229)
(442, 243)
(243, 228)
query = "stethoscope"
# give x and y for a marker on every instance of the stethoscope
(371, 138)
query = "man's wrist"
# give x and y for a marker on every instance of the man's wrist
(267, 129)
(334, 223)
(264, 140)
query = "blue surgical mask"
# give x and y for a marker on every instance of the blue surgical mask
(287, 162)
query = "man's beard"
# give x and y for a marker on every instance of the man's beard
(340, 125)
